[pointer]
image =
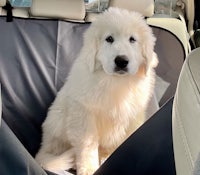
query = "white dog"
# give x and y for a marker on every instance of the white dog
(105, 96)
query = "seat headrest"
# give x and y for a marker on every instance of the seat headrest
(2, 3)
(145, 7)
(64, 9)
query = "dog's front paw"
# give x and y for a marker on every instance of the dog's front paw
(88, 167)
(86, 171)
(87, 158)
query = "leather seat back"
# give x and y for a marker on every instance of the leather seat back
(186, 115)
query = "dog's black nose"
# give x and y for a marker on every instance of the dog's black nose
(121, 61)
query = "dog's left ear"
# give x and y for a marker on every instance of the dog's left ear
(89, 49)
(151, 59)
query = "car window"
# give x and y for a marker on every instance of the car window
(96, 5)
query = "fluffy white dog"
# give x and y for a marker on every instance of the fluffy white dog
(105, 96)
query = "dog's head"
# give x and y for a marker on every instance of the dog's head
(120, 42)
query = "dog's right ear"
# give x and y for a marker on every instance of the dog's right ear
(89, 49)
(148, 53)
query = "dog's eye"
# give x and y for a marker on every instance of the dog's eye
(132, 39)
(110, 39)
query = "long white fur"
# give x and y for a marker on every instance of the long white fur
(98, 108)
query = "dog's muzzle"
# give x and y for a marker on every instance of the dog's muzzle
(121, 63)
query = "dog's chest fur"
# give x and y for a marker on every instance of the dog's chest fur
(115, 105)
(116, 113)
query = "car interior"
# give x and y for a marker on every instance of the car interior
(39, 41)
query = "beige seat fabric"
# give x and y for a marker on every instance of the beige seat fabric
(63, 9)
(2, 3)
(190, 13)
(18, 12)
(21, 12)
(186, 115)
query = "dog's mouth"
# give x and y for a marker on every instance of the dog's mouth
(121, 71)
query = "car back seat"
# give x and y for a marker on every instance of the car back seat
(48, 47)
(36, 57)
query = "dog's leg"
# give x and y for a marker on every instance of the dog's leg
(87, 159)
(56, 163)
(82, 135)
(86, 148)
